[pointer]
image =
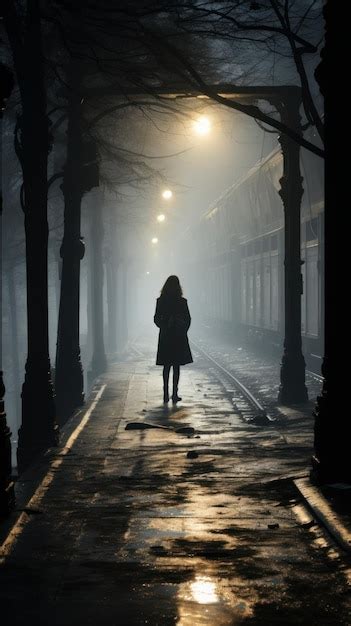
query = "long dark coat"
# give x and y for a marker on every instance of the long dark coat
(173, 319)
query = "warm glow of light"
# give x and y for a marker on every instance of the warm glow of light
(167, 194)
(154, 240)
(202, 126)
(203, 590)
(161, 218)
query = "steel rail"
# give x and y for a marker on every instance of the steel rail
(244, 390)
(314, 375)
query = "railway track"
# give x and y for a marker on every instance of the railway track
(314, 375)
(244, 402)
(247, 397)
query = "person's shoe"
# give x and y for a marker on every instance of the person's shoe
(176, 398)
(165, 398)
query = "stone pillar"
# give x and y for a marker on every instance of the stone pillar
(292, 374)
(80, 175)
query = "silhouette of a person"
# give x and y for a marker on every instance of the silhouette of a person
(173, 319)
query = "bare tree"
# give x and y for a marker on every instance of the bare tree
(23, 29)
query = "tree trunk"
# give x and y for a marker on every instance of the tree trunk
(90, 324)
(81, 174)
(122, 308)
(111, 265)
(111, 307)
(69, 383)
(98, 362)
(39, 429)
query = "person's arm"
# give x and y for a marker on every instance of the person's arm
(158, 317)
(187, 316)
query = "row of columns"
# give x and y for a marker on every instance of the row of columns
(41, 430)
(328, 462)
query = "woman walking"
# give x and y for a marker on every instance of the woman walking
(173, 319)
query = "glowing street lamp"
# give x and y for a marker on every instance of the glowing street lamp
(202, 125)
(154, 240)
(167, 194)
(161, 218)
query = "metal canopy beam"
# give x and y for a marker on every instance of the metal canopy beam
(287, 100)
(246, 95)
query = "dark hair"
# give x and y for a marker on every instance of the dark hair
(172, 288)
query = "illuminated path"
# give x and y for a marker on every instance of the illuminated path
(127, 528)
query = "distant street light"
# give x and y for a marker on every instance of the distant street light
(167, 194)
(202, 125)
(154, 240)
(147, 273)
(161, 218)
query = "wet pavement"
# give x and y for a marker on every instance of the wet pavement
(142, 520)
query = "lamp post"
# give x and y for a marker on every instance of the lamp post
(292, 388)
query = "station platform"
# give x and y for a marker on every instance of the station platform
(168, 514)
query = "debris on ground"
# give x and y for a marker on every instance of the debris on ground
(185, 430)
(192, 454)
(144, 426)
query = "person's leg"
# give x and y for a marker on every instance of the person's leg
(176, 373)
(166, 370)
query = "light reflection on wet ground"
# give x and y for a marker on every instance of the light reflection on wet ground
(207, 600)
(134, 527)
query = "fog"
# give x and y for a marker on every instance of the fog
(199, 170)
(204, 167)
(185, 453)
(221, 231)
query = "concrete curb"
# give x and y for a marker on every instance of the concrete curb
(28, 482)
(322, 510)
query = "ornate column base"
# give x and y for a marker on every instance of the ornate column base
(292, 388)
(39, 430)
(69, 388)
